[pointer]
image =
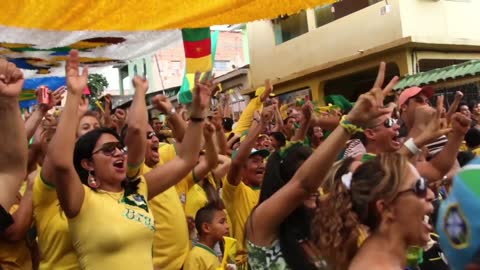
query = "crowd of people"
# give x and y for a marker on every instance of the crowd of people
(389, 182)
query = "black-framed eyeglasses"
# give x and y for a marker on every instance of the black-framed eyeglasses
(151, 134)
(420, 189)
(109, 149)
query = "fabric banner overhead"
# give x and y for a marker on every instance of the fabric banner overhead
(37, 34)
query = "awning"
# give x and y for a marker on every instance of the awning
(37, 34)
(439, 75)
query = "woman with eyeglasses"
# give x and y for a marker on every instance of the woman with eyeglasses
(278, 229)
(108, 217)
(390, 198)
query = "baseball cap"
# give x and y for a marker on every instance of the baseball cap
(262, 152)
(413, 91)
(458, 224)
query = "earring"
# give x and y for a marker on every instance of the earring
(91, 180)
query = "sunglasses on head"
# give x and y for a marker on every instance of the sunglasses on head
(151, 134)
(109, 149)
(420, 189)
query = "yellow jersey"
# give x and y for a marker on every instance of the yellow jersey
(168, 152)
(114, 230)
(197, 197)
(171, 242)
(15, 255)
(52, 227)
(239, 202)
(201, 257)
(246, 118)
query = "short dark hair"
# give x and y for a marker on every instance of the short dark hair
(280, 137)
(472, 138)
(206, 214)
(286, 119)
(227, 124)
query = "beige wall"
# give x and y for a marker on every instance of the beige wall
(317, 80)
(443, 22)
(359, 34)
(339, 39)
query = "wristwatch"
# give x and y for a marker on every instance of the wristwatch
(172, 112)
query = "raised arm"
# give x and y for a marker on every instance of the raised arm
(220, 132)
(440, 165)
(203, 168)
(278, 120)
(271, 212)
(13, 140)
(163, 104)
(136, 139)
(23, 216)
(453, 108)
(301, 133)
(246, 146)
(35, 119)
(163, 177)
(58, 167)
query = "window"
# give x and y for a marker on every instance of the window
(289, 27)
(329, 13)
(324, 14)
(222, 65)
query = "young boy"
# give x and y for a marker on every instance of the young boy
(211, 224)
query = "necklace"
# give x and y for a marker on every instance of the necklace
(115, 196)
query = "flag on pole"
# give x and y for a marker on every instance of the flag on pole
(200, 48)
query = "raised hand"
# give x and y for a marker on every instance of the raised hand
(76, 81)
(460, 124)
(108, 102)
(140, 84)
(202, 93)
(267, 115)
(431, 122)
(162, 103)
(11, 79)
(369, 106)
(83, 106)
(208, 131)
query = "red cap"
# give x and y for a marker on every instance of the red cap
(428, 91)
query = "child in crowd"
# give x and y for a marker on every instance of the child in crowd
(211, 224)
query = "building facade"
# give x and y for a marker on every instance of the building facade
(336, 49)
(165, 68)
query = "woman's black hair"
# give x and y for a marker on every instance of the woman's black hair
(296, 227)
(83, 150)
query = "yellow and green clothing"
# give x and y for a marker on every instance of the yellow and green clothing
(168, 152)
(114, 230)
(52, 227)
(201, 257)
(171, 240)
(239, 202)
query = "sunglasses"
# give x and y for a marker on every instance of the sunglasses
(109, 149)
(420, 189)
(388, 123)
(150, 135)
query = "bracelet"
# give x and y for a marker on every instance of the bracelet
(349, 127)
(197, 119)
(412, 147)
